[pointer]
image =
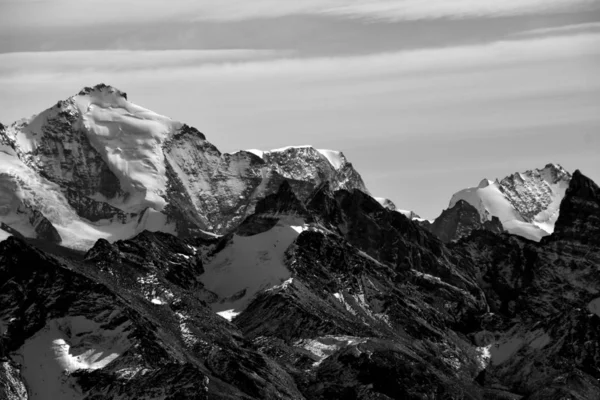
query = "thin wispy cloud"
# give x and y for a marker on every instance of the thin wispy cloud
(19, 63)
(554, 30)
(408, 83)
(23, 14)
(240, 64)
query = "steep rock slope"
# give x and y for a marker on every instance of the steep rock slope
(459, 221)
(527, 204)
(349, 306)
(123, 323)
(98, 166)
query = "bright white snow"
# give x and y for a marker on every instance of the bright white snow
(249, 265)
(129, 139)
(4, 235)
(325, 346)
(489, 201)
(335, 158)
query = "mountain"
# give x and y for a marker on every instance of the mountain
(98, 166)
(527, 204)
(331, 297)
(139, 262)
(549, 291)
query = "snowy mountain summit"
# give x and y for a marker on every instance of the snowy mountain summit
(527, 204)
(99, 166)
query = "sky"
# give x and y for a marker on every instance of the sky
(424, 97)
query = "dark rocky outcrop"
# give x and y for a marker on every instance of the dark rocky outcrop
(459, 221)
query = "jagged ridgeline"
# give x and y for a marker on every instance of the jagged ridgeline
(275, 275)
(98, 166)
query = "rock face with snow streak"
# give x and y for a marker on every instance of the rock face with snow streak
(527, 204)
(98, 166)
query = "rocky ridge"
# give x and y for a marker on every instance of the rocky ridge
(372, 306)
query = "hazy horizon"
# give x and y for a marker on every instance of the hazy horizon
(424, 98)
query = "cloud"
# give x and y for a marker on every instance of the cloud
(20, 14)
(242, 64)
(66, 62)
(262, 84)
(572, 28)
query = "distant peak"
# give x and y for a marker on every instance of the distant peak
(553, 166)
(102, 88)
(483, 184)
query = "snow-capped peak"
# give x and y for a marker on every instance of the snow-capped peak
(129, 138)
(527, 203)
(98, 166)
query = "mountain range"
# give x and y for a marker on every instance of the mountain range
(137, 261)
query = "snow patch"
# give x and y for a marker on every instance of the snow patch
(500, 352)
(483, 356)
(335, 158)
(249, 265)
(228, 314)
(541, 341)
(325, 346)
(4, 235)
(65, 345)
(257, 152)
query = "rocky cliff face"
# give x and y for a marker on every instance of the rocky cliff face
(460, 221)
(98, 166)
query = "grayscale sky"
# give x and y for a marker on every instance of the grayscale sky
(425, 97)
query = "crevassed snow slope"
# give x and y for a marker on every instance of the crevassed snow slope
(248, 265)
(129, 138)
(65, 345)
